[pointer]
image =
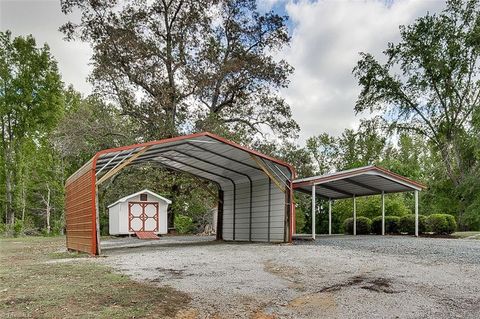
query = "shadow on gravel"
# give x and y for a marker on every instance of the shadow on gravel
(143, 248)
(137, 247)
(374, 284)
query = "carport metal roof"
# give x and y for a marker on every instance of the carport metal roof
(204, 155)
(362, 181)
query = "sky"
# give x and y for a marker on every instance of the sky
(326, 39)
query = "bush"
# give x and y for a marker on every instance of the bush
(364, 225)
(441, 224)
(377, 225)
(407, 224)
(391, 225)
(300, 221)
(183, 224)
(18, 228)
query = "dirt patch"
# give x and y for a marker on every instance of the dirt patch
(262, 315)
(288, 273)
(169, 273)
(318, 302)
(187, 314)
(374, 284)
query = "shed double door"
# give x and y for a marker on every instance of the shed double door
(143, 216)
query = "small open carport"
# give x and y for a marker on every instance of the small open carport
(255, 200)
(353, 183)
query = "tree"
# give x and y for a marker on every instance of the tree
(89, 125)
(429, 84)
(30, 102)
(325, 152)
(176, 66)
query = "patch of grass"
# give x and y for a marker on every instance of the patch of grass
(467, 234)
(33, 287)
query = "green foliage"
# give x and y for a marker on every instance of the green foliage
(299, 220)
(391, 225)
(407, 224)
(232, 75)
(370, 206)
(429, 86)
(183, 224)
(377, 225)
(364, 225)
(442, 224)
(18, 228)
(57, 227)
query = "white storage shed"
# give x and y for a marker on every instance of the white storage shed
(143, 211)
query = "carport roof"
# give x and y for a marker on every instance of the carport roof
(362, 181)
(204, 155)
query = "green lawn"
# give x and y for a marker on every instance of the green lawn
(467, 234)
(32, 286)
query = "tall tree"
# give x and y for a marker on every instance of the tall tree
(30, 101)
(176, 66)
(430, 83)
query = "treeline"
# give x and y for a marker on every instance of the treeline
(169, 68)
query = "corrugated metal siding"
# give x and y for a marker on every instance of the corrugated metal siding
(265, 222)
(80, 211)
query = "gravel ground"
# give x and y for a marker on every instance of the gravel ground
(334, 277)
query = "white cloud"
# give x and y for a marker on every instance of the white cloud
(326, 41)
(42, 18)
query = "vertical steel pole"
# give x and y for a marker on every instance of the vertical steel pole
(383, 213)
(416, 213)
(329, 216)
(313, 211)
(354, 216)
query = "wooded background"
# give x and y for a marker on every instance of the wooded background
(166, 68)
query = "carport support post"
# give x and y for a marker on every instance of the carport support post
(313, 211)
(354, 216)
(329, 216)
(383, 213)
(416, 213)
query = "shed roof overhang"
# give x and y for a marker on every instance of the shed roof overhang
(362, 181)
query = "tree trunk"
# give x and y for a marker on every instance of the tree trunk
(48, 209)
(10, 214)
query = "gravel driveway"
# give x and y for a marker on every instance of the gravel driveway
(333, 277)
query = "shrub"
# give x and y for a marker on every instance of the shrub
(441, 224)
(57, 227)
(364, 225)
(377, 225)
(18, 228)
(391, 225)
(300, 221)
(183, 224)
(407, 224)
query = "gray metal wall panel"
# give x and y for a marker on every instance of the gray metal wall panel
(259, 217)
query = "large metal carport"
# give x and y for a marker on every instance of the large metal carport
(353, 183)
(254, 190)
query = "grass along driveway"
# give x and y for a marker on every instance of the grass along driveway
(467, 234)
(37, 282)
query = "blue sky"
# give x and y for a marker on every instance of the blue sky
(327, 37)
